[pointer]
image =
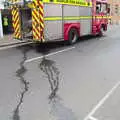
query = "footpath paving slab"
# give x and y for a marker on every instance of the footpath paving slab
(8, 40)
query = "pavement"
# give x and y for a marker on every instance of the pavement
(59, 82)
(8, 40)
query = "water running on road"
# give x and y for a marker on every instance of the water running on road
(20, 74)
(57, 108)
(60, 111)
(52, 73)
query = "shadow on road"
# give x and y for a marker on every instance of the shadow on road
(90, 37)
(46, 48)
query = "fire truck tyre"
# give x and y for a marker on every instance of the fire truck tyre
(72, 36)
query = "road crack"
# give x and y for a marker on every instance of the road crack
(20, 74)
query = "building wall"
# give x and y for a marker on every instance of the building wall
(115, 11)
(5, 12)
(1, 27)
(1, 4)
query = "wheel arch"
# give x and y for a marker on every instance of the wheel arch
(104, 26)
(68, 27)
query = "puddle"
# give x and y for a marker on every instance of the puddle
(46, 48)
(20, 74)
(57, 108)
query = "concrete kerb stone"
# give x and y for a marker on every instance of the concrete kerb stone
(8, 40)
(10, 44)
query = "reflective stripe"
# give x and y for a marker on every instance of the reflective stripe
(107, 17)
(77, 18)
(38, 20)
(52, 18)
(16, 22)
(73, 18)
(66, 18)
(99, 17)
(5, 23)
(65, 2)
(70, 2)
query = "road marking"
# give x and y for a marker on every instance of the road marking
(54, 53)
(92, 118)
(102, 101)
(15, 45)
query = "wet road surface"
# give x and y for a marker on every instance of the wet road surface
(62, 82)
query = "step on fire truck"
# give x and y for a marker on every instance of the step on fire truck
(51, 20)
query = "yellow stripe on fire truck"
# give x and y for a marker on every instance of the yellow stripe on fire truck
(65, 2)
(99, 17)
(73, 18)
(38, 20)
(67, 18)
(70, 2)
(16, 22)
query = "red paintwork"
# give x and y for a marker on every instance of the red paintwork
(68, 26)
(98, 22)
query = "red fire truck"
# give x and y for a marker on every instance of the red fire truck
(51, 20)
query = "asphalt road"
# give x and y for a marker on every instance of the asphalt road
(59, 82)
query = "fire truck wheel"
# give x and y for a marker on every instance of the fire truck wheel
(73, 36)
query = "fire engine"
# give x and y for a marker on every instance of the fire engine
(52, 20)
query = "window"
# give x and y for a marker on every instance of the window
(104, 8)
(101, 8)
(116, 9)
(98, 8)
